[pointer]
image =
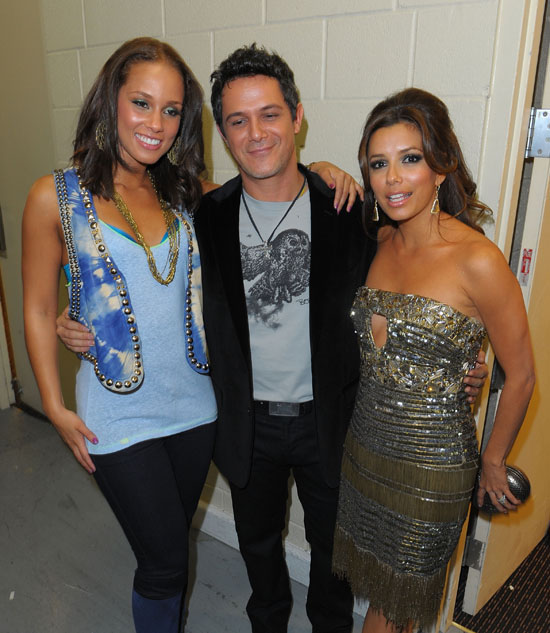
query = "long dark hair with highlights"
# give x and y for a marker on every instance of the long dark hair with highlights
(177, 184)
(442, 153)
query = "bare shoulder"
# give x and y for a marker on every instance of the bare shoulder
(482, 273)
(485, 276)
(472, 251)
(43, 189)
(481, 257)
(42, 199)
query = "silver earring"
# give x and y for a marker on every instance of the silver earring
(174, 152)
(435, 206)
(100, 132)
(375, 214)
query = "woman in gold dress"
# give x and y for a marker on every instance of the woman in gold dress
(436, 287)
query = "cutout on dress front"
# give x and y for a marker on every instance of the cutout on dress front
(379, 330)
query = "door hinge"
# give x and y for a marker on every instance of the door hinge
(538, 134)
(474, 554)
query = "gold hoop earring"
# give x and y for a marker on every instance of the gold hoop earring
(173, 154)
(435, 206)
(375, 214)
(100, 132)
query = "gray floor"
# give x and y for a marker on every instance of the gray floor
(65, 566)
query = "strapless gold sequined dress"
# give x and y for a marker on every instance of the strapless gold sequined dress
(410, 455)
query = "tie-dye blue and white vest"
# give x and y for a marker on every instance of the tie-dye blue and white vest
(99, 297)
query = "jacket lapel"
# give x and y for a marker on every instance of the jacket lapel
(224, 229)
(323, 252)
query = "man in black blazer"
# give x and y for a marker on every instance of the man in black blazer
(261, 437)
(280, 269)
(278, 283)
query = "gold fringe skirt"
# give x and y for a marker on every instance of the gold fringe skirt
(398, 525)
(410, 455)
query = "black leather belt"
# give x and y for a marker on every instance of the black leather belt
(285, 409)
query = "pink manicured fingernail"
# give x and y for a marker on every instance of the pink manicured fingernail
(95, 441)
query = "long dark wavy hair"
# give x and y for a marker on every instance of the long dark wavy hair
(177, 184)
(457, 194)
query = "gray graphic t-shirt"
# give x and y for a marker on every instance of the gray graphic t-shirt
(276, 282)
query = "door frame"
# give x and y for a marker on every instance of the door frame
(524, 59)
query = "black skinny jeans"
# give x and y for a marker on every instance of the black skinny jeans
(153, 488)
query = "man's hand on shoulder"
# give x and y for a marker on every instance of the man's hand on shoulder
(476, 377)
(75, 336)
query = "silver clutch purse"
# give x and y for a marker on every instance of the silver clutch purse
(519, 486)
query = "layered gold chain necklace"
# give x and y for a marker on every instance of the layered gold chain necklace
(171, 229)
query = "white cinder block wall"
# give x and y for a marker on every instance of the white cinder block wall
(346, 55)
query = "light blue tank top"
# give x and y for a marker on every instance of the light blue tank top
(173, 397)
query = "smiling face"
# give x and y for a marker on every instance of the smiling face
(402, 181)
(259, 130)
(149, 112)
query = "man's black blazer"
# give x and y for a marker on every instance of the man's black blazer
(340, 255)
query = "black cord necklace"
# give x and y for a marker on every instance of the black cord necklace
(266, 243)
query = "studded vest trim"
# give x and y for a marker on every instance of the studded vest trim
(99, 297)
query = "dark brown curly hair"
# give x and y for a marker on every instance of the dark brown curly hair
(457, 194)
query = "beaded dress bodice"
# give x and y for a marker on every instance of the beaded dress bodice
(410, 455)
(419, 371)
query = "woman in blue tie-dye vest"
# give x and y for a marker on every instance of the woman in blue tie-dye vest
(120, 222)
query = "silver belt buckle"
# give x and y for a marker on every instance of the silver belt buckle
(286, 409)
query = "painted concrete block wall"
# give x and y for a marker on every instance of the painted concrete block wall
(346, 54)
